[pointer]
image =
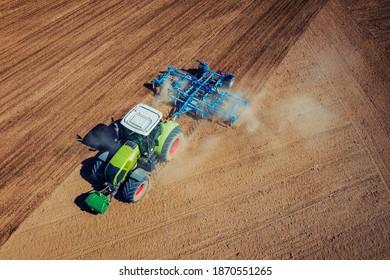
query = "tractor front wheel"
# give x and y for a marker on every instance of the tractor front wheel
(98, 170)
(172, 144)
(133, 190)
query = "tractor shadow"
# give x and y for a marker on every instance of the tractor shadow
(149, 86)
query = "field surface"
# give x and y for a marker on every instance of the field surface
(304, 174)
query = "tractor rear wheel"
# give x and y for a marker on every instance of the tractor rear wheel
(172, 144)
(133, 190)
(98, 170)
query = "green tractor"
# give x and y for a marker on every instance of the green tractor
(129, 150)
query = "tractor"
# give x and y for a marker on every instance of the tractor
(130, 148)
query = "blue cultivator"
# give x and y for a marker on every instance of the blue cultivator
(201, 93)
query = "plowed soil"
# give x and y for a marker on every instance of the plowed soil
(303, 174)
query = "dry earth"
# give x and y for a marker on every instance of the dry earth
(303, 175)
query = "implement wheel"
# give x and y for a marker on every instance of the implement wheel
(172, 144)
(228, 81)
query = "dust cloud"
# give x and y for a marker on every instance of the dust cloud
(305, 115)
(161, 97)
(300, 116)
(189, 158)
(249, 120)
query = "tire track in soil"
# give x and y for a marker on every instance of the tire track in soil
(219, 203)
(201, 208)
(363, 233)
(350, 189)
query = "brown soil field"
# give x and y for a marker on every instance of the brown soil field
(304, 174)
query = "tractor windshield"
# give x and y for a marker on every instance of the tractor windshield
(129, 135)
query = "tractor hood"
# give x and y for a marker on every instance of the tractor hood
(122, 162)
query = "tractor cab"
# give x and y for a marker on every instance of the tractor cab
(142, 125)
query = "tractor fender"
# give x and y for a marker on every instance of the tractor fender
(122, 162)
(104, 156)
(139, 175)
(166, 128)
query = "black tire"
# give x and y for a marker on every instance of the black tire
(98, 170)
(172, 144)
(201, 66)
(156, 89)
(134, 190)
(228, 83)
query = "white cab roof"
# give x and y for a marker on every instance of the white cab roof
(142, 119)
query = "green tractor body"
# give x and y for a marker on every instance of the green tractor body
(142, 140)
(167, 128)
(122, 162)
(98, 202)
